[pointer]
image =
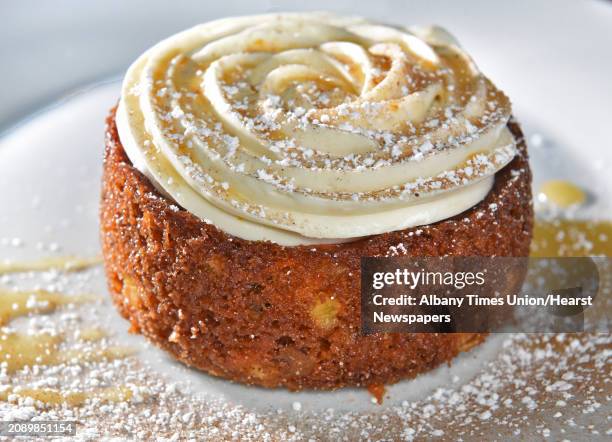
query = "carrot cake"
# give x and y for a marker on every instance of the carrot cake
(252, 162)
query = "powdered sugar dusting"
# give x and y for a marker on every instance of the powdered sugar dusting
(279, 124)
(532, 385)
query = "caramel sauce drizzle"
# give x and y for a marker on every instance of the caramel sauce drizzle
(560, 238)
(50, 396)
(20, 350)
(14, 304)
(62, 263)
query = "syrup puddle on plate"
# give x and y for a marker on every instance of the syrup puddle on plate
(562, 193)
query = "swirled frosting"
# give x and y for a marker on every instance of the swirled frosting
(312, 128)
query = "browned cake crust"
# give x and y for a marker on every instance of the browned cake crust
(265, 314)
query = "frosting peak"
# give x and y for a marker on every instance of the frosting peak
(310, 128)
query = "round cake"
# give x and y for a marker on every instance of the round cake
(252, 162)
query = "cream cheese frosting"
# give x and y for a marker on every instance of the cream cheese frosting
(313, 128)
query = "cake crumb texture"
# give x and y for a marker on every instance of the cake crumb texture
(270, 315)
